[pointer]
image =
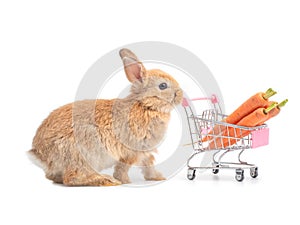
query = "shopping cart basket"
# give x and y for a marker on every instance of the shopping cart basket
(221, 138)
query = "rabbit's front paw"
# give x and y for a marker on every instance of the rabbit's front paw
(154, 176)
(122, 176)
(121, 172)
(107, 180)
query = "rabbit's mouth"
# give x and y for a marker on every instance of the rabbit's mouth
(172, 99)
(155, 103)
(163, 104)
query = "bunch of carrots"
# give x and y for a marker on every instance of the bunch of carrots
(253, 112)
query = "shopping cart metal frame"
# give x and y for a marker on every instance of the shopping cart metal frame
(201, 126)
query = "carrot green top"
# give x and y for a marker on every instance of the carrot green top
(269, 93)
(281, 104)
(272, 106)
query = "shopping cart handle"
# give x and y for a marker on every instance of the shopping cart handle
(213, 99)
(185, 102)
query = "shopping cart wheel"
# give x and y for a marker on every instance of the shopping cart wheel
(191, 174)
(215, 171)
(254, 172)
(239, 175)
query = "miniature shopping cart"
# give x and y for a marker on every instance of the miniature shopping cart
(209, 133)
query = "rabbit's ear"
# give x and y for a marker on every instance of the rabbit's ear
(134, 69)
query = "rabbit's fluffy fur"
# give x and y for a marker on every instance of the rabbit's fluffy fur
(80, 139)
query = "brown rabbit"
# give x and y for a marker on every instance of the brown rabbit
(80, 139)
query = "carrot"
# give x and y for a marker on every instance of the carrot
(256, 118)
(277, 109)
(272, 113)
(259, 100)
(231, 135)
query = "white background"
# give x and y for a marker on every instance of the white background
(249, 46)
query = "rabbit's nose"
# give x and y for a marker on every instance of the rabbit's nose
(178, 93)
(178, 96)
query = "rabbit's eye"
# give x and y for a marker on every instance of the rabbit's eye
(163, 86)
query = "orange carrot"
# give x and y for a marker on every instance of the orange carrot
(231, 135)
(277, 109)
(256, 118)
(272, 113)
(259, 100)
